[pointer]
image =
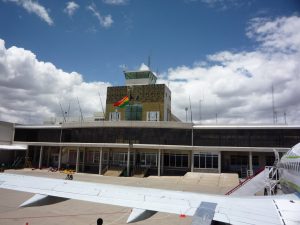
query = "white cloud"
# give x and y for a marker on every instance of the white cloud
(143, 67)
(237, 85)
(115, 2)
(280, 34)
(31, 90)
(71, 8)
(222, 4)
(34, 7)
(105, 21)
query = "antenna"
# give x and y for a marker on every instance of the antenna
(273, 107)
(200, 114)
(101, 104)
(81, 116)
(284, 114)
(191, 109)
(216, 118)
(62, 112)
(186, 110)
(68, 111)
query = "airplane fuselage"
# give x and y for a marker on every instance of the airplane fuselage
(289, 170)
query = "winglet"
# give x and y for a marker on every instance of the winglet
(139, 214)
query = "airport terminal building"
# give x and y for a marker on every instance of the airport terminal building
(139, 135)
(162, 148)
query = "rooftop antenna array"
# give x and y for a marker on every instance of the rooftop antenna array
(191, 109)
(101, 103)
(62, 112)
(81, 116)
(68, 113)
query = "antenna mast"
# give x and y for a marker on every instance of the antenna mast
(62, 112)
(101, 103)
(191, 109)
(81, 116)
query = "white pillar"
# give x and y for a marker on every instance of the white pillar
(158, 169)
(128, 161)
(250, 162)
(59, 158)
(162, 162)
(83, 159)
(219, 162)
(100, 161)
(77, 160)
(192, 161)
(48, 156)
(41, 157)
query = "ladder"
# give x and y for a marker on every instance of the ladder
(272, 180)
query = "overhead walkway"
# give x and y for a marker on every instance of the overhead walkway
(266, 179)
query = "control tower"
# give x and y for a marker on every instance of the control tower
(144, 77)
(141, 99)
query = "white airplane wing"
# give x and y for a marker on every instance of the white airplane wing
(146, 201)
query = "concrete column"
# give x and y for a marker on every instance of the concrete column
(134, 157)
(83, 160)
(100, 161)
(48, 156)
(77, 160)
(158, 169)
(219, 162)
(128, 161)
(192, 161)
(41, 158)
(250, 162)
(59, 157)
(162, 162)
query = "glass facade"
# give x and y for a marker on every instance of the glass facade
(206, 160)
(165, 136)
(133, 112)
(176, 160)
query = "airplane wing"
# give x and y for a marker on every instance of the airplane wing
(146, 201)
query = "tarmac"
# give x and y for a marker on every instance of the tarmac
(73, 212)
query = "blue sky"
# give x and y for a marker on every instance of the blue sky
(225, 53)
(172, 32)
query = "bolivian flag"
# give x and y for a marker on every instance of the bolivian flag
(122, 103)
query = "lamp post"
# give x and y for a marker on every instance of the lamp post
(186, 110)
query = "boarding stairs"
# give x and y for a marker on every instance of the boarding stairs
(140, 172)
(114, 171)
(265, 179)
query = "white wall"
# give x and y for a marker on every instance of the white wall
(6, 132)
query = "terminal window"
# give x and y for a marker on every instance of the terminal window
(206, 161)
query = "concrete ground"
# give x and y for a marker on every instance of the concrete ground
(73, 212)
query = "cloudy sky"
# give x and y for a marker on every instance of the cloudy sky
(225, 55)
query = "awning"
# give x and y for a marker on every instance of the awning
(13, 147)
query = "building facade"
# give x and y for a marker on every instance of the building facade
(164, 148)
(148, 101)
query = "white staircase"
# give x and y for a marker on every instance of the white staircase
(266, 180)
